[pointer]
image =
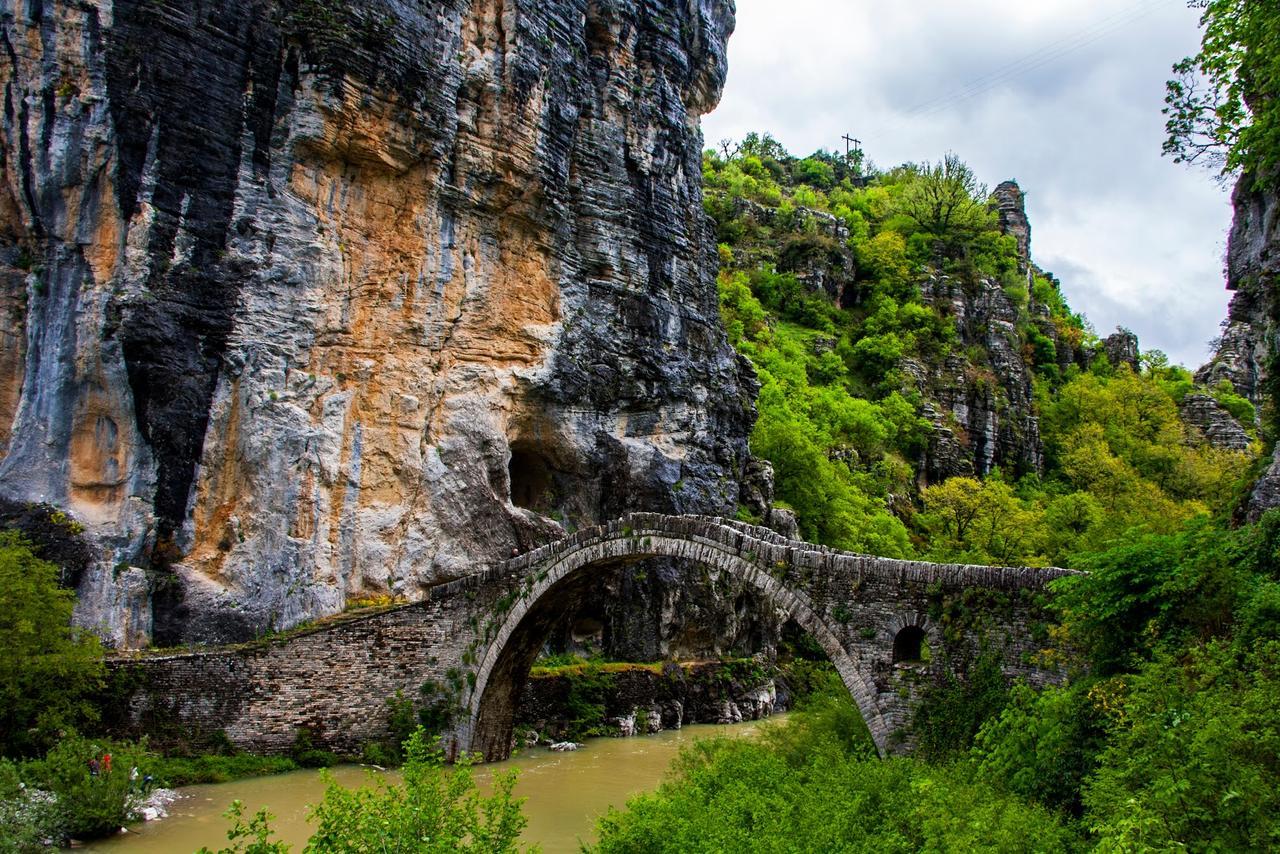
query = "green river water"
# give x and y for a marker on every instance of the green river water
(566, 792)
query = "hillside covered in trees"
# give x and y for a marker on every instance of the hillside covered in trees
(926, 390)
(855, 295)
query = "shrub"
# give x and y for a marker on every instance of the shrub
(952, 711)
(94, 795)
(189, 771)
(26, 821)
(306, 754)
(814, 786)
(436, 811)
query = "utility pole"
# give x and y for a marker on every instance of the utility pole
(851, 145)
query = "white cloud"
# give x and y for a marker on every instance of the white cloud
(1063, 96)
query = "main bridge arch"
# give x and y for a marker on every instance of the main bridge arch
(852, 605)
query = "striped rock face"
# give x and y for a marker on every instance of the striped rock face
(307, 301)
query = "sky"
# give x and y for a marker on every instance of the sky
(1063, 96)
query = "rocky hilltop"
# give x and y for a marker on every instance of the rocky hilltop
(305, 301)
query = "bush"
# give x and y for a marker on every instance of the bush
(1193, 758)
(306, 754)
(189, 771)
(436, 811)
(26, 821)
(586, 701)
(1043, 745)
(813, 786)
(94, 795)
(952, 712)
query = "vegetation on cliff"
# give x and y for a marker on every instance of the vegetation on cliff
(823, 286)
(1165, 735)
(852, 292)
(1222, 106)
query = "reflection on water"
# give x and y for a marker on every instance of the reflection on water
(565, 792)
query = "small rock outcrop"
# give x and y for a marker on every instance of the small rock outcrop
(982, 412)
(1214, 423)
(1010, 203)
(1253, 265)
(1121, 348)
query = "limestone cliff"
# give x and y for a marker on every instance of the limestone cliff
(304, 300)
(1247, 348)
(1253, 263)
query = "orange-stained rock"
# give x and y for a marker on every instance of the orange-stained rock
(313, 290)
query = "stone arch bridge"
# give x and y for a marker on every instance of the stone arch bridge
(475, 638)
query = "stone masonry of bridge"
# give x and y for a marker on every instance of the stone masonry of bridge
(469, 644)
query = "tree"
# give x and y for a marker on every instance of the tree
(1223, 107)
(92, 783)
(47, 667)
(946, 201)
(981, 522)
(1190, 762)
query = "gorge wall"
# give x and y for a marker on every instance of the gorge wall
(302, 301)
(1247, 349)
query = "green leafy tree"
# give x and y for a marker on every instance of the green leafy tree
(1223, 106)
(982, 522)
(48, 668)
(1193, 759)
(1043, 745)
(946, 201)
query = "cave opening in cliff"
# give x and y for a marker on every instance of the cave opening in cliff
(532, 482)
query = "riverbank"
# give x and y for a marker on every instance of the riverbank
(592, 699)
(566, 793)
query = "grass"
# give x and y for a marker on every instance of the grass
(577, 669)
(171, 771)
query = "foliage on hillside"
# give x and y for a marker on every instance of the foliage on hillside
(1167, 736)
(840, 416)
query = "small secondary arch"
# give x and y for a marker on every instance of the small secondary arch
(557, 571)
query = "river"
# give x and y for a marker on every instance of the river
(565, 792)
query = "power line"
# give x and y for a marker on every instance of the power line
(1059, 47)
(1046, 59)
(1032, 61)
